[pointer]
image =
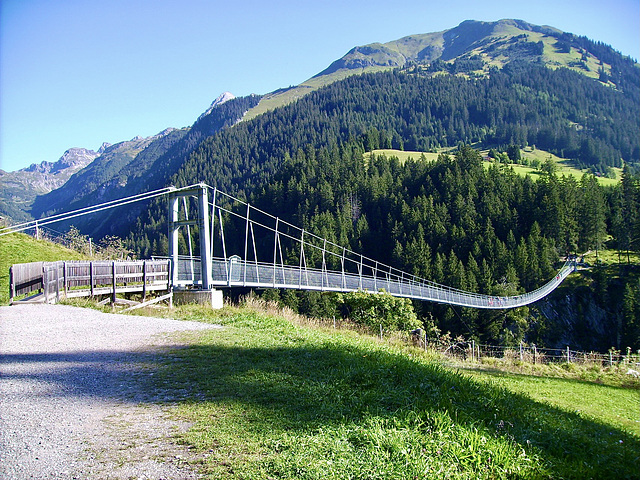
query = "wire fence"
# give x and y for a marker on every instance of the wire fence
(530, 353)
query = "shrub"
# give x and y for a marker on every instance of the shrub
(373, 310)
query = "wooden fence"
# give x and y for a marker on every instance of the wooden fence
(51, 281)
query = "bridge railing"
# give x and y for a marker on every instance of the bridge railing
(236, 272)
(56, 280)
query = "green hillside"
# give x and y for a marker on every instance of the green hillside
(472, 48)
(21, 248)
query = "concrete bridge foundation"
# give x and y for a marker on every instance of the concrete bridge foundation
(212, 298)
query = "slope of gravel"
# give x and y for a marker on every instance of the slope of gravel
(74, 397)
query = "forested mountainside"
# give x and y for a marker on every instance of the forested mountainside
(557, 110)
(473, 49)
(451, 221)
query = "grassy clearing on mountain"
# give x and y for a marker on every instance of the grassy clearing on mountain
(612, 257)
(272, 397)
(563, 165)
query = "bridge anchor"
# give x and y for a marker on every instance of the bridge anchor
(210, 298)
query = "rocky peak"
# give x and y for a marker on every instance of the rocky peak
(74, 158)
(103, 147)
(225, 97)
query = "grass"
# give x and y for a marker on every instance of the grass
(611, 257)
(612, 405)
(402, 155)
(275, 396)
(270, 396)
(21, 248)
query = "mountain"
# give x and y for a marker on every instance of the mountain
(487, 52)
(138, 165)
(223, 98)
(101, 175)
(471, 48)
(499, 86)
(19, 189)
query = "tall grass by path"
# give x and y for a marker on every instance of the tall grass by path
(270, 398)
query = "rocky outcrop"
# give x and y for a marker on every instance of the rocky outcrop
(225, 97)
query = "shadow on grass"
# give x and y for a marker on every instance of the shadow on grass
(304, 388)
(308, 388)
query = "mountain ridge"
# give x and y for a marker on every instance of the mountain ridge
(492, 42)
(469, 50)
(19, 189)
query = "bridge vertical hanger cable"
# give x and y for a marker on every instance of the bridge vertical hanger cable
(275, 245)
(255, 253)
(324, 264)
(284, 279)
(224, 248)
(213, 222)
(246, 245)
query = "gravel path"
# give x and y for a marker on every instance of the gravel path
(75, 401)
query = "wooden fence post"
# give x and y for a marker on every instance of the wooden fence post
(144, 281)
(57, 267)
(45, 283)
(113, 282)
(12, 285)
(64, 278)
(91, 277)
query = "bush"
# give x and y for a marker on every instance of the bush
(373, 310)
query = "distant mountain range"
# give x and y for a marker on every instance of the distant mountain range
(472, 50)
(19, 189)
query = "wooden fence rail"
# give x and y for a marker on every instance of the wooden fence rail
(55, 280)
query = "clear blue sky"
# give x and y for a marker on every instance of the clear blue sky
(76, 73)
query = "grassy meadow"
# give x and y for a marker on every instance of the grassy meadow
(564, 166)
(272, 395)
(275, 396)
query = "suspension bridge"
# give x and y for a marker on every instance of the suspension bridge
(219, 241)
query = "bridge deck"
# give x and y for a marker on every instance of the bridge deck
(237, 273)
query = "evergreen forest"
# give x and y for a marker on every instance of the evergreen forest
(453, 220)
